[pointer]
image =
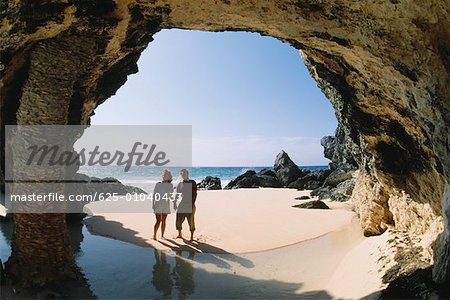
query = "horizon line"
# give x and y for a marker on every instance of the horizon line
(255, 166)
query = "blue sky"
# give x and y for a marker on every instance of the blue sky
(246, 96)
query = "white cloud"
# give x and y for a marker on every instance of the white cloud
(255, 150)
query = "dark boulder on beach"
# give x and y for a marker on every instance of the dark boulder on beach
(210, 183)
(303, 198)
(267, 181)
(316, 204)
(234, 182)
(286, 170)
(311, 180)
(291, 176)
(251, 179)
(323, 192)
(305, 183)
(343, 191)
(267, 172)
(320, 175)
(247, 182)
(338, 176)
(268, 178)
(340, 190)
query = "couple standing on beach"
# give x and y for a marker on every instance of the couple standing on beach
(187, 194)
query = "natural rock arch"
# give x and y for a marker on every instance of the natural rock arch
(383, 64)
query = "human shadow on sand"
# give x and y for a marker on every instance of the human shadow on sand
(217, 256)
(95, 224)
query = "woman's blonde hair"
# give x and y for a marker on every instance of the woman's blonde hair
(166, 175)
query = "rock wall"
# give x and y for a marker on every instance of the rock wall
(337, 148)
(383, 64)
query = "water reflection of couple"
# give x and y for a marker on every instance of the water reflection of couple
(181, 275)
(184, 205)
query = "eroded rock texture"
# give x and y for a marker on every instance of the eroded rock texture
(338, 148)
(383, 64)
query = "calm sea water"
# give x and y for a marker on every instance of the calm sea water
(140, 176)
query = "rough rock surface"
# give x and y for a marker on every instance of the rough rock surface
(337, 148)
(210, 183)
(315, 204)
(338, 176)
(251, 179)
(287, 171)
(338, 181)
(323, 192)
(310, 181)
(267, 172)
(232, 184)
(343, 191)
(383, 64)
(338, 186)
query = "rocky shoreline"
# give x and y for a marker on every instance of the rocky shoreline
(337, 182)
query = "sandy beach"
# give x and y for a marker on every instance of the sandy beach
(310, 248)
(230, 221)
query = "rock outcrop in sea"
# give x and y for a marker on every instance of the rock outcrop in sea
(336, 183)
(285, 169)
(210, 183)
(310, 181)
(251, 179)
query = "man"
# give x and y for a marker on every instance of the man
(186, 209)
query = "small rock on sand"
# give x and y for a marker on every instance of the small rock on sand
(316, 204)
(303, 198)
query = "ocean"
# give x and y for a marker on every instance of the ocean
(143, 177)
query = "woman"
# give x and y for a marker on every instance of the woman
(161, 202)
